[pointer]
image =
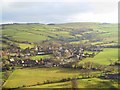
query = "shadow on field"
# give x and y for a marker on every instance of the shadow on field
(103, 85)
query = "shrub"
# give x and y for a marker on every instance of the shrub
(24, 86)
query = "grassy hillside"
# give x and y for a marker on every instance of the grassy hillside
(70, 32)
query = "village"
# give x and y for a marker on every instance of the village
(62, 55)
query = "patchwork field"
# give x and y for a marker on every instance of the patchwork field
(70, 32)
(57, 36)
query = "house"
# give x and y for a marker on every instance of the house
(78, 57)
(28, 54)
(41, 53)
(110, 76)
(12, 60)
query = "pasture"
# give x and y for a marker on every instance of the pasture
(106, 57)
(24, 46)
(82, 83)
(39, 57)
(31, 76)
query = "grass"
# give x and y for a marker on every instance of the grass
(75, 42)
(110, 44)
(38, 57)
(63, 34)
(82, 83)
(106, 57)
(3, 45)
(31, 76)
(78, 42)
(54, 85)
(23, 36)
(24, 46)
(97, 43)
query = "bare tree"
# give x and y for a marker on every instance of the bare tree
(74, 83)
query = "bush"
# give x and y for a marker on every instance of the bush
(24, 86)
(38, 83)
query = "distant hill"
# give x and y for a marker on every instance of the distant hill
(94, 33)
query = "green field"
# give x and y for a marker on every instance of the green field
(33, 76)
(24, 46)
(106, 57)
(83, 83)
(38, 57)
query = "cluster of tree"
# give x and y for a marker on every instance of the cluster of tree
(89, 66)
(6, 66)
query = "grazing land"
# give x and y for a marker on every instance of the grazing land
(40, 57)
(106, 57)
(33, 76)
(82, 83)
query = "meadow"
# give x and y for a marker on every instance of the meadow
(106, 57)
(24, 46)
(82, 83)
(31, 76)
(39, 57)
